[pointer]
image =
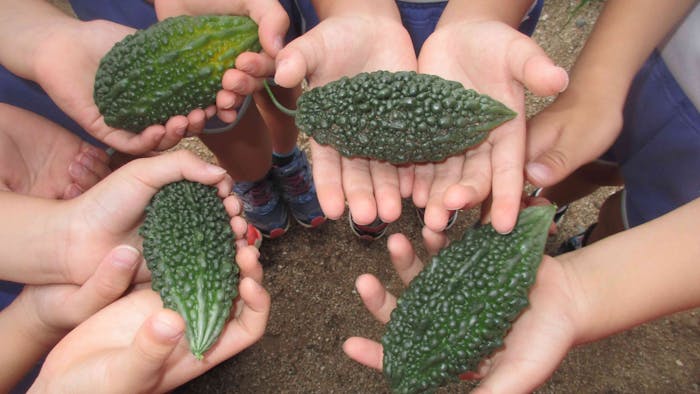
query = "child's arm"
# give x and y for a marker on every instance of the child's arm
(41, 315)
(585, 120)
(637, 275)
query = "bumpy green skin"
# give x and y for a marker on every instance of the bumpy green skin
(459, 308)
(399, 117)
(189, 247)
(170, 68)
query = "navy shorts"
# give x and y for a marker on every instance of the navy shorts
(658, 150)
(419, 19)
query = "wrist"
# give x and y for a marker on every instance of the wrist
(475, 11)
(60, 30)
(364, 8)
(581, 304)
(31, 326)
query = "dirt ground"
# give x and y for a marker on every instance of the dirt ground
(310, 275)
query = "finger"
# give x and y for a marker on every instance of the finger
(364, 351)
(530, 65)
(359, 189)
(257, 65)
(227, 100)
(385, 183)
(273, 23)
(158, 171)
(196, 119)
(233, 205)
(240, 83)
(377, 300)
(81, 172)
(406, 180)
(507, 161)
(328, 179)
(298, 59)
(403, 257)
(475, 184)
(250, 323)
(175, 130)
(434, 241)
(247, 259)
(143, 360)
(424, 174)
(110, 280)
(97, 153)
(447, 173)
(72, 191)
(133, 143)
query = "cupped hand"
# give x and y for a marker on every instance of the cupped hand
(345, 46)
(69, 82)
(494, 59)
(111, 212)
(135, 346)
(243, 80)
(537, 342)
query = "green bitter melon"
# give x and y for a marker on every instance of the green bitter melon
(459, 308)
(189, 248)
(399, 117)
(170, 68)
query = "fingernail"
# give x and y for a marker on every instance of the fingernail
(126, 256)
(166, 328)
(278, 43)
(537, 172)
(86, 160)
(215, 170)
(76, 170)
(566, 85)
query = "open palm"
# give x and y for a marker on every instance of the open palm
(497, 60)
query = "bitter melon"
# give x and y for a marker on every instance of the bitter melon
(189, 248)
(170, 68)
(400, 117)
(459, 308)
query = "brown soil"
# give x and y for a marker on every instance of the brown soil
(310, 275)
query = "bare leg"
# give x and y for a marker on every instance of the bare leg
(609, 218)
(40, 158)
(283, 131)
(246, 151)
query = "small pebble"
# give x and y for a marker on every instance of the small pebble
(679, 363)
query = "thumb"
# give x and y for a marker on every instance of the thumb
(273, 23)
(552, 153)
(142, 362)
(530, 65)
(298, 59)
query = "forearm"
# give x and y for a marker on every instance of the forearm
(624, 36)
(506, 11)
(24, 342)
(24, 25)
(637, 275)
(379, 8)
(31, 228)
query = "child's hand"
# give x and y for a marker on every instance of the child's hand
(495, 59)
(135, 346)
(575, 129)
(110, 213)
(533, 348)
(345, 45)
(69, 82)
(245, 79)
(58, 308)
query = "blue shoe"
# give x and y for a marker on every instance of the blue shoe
(298, 190)
(368, 232)
(450, 221)
(263, 207)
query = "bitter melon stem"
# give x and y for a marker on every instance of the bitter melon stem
(285, 110)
